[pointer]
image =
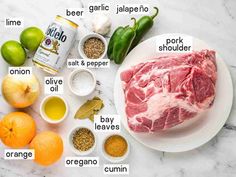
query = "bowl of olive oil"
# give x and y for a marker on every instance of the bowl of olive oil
(54, 109)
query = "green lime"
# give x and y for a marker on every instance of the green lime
(31, 38)
(13, 53)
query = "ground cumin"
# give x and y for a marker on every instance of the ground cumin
(116, 146)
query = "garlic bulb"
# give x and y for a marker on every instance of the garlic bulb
(101, 24)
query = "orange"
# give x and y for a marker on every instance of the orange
(48, 147)
(17, 129)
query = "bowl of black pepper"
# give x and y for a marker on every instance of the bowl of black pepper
(92, 46)
(82, 140)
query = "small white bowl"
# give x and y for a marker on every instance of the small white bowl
(83, 39)
(115, 159)
(77, 92)
(45, 117)
(76, 151)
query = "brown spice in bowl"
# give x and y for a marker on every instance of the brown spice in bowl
(116, 146)
(93, 48)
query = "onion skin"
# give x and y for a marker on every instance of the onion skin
(20, 91)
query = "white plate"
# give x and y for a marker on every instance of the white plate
(190, 134)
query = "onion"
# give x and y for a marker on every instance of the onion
(20, 91)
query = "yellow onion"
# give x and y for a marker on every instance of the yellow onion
(20, 91)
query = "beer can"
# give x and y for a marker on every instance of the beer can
(54, 49)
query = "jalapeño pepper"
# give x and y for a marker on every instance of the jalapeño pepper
(144, 25)
(123, 43)
(114, 37)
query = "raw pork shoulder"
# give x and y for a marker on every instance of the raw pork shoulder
(166, 91)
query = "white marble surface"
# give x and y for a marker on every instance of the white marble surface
(213, 21)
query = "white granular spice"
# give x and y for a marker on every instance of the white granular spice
(82, 82)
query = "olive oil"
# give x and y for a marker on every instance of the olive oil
(55, 108)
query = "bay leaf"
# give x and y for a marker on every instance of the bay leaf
(91, 117)
(88, 108)
(96, 98)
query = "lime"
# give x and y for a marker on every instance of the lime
(13, 53)
(31, 38)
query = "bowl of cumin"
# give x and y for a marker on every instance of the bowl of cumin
(115, 148)
(82, 140)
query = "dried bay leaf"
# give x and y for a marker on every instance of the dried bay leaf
(96, 98)
(91, 117)
(89, 109)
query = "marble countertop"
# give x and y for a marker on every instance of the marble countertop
(213, 21)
